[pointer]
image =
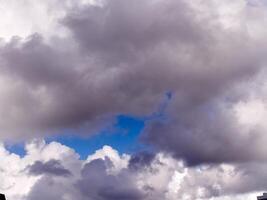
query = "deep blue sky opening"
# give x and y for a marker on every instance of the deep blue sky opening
(123, 136)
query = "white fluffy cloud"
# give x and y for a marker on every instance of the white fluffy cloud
(159, 178)
(23, 18)
(15, 180)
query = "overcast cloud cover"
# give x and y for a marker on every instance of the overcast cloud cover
(73, 66)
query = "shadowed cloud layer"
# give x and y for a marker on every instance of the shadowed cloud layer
(107, 175)
(120, 57)
(52, 167)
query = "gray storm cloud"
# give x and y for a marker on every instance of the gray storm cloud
(96, 183)
(52, 167)
(120, 57)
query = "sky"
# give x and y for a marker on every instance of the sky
(133, 100)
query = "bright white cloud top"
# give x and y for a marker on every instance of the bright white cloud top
(54, 171)
(73, 66)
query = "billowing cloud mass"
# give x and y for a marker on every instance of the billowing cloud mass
(85, 62)
(52, 167)
(99, 177)
(121, 57)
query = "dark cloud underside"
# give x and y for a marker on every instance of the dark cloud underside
(121, 58)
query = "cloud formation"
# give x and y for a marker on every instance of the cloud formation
(51, 167)
(121, 57)
(98, 178)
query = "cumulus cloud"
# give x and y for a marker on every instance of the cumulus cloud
(97, 184)
(16, 182)
(19, 18)
(141, 160)
(163, 178)
(80, 63)
(52, 167)
(121, 57)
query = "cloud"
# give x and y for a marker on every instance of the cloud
(122, 57)
(203, 52)
(117, 161)
(163, 178)
(51, 167)
(229, 128)
(16, 182)
(97, 184)
(19, 18)
(140, 160)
